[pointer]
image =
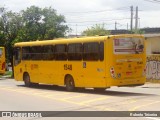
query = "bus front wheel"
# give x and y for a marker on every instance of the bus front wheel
(26, 79)
(69, 81)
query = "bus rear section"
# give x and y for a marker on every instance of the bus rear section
(2, 60)
(128, 61)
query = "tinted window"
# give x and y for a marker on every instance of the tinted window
(1, 50)
(17, 55)
(26, 53)
(91, 51)
(60, 52)
(48, 52)
(36, 52)
(101, 50)
(75, 51)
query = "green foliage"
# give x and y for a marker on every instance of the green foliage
(42, 24)
(28, 25)
(138, 31)
(96, 30)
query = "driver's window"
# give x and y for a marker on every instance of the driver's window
(17, 55)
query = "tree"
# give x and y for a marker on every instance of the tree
(42, 24)
(138, 31)
(28, 25)
(97, 29)
(10, 23)
(52, 24)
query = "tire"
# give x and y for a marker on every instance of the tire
(69, 81)
(26, 79)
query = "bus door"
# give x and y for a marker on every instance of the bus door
(17, 63)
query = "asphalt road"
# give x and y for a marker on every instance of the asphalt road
(14, 96)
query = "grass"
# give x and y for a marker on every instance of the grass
(7, 73)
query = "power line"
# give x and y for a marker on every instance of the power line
(90, 24)
(100, 20)
(89, 14)
(84, 16)
(86, 12)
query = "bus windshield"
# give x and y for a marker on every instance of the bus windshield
(128, 45)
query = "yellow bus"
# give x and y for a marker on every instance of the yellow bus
(88, 62)
(2, 61)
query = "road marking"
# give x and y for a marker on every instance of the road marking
(41, 94)
(77, 96)
(5, 87)
(53, 94)
(130, 101)
(102, 108)
(144, 105)
(85, 105)
(18, 90)
(93, 100)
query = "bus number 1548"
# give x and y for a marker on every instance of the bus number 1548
(67, 67)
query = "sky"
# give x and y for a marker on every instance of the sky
(83, 14)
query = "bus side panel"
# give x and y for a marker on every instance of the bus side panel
(18, 72)
(46, 72)
(94, 74)
(72, 68)
(33, 70)
(75, 70)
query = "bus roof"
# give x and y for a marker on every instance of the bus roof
(72, 40)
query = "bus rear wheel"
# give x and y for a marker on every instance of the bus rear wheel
(26, 79)
(69, 81)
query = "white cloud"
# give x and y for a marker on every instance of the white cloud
(149, 14)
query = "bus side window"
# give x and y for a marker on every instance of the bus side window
(36, 53)
(75, 51)
(17, 55)
(101, 51)
(1, 50)
(48, 52)
(26, 53)
(61, 52)
(91, 51)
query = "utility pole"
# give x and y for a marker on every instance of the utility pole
(76, 30)
(136, 19)
(115, 25)
(139, 25)
(131, 18)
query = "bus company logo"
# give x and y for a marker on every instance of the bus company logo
(6, 114)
